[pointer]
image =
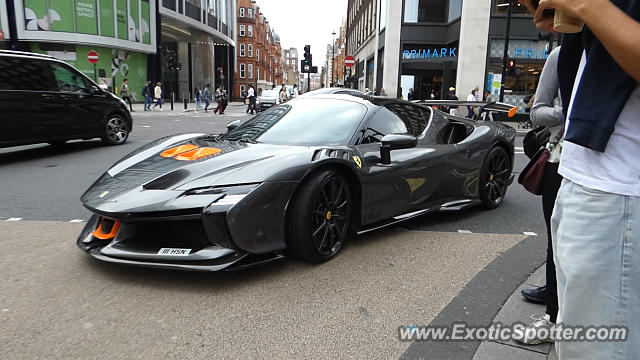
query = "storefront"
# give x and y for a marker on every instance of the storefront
(4, 25)
(522, 80)
(428, 69)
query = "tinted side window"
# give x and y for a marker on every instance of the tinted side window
(68, 80)
(18, 73)
(382, 123)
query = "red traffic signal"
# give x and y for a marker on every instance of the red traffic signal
(511, 64)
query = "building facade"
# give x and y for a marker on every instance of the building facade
(432, 46)
(201, 35)
(258, 51)
(134, 39)
(292, 70)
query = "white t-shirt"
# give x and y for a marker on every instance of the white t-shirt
(251, 93)
(471, 97)
(617, 170)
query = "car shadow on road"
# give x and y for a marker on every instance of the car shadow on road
(224, 280)
(42, 151)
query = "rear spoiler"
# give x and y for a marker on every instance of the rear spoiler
(497, 107)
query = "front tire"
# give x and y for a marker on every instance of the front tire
(319, 221)
(494, 178)
(116, 130)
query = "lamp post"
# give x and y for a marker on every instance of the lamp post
(505, 55)
(333, 55)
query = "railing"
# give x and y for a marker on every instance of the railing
(212, 21)
(192, 11)
(169, 4)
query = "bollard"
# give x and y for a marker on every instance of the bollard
(185, 103)
(172, 101)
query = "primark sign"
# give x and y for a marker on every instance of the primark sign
(431, 54)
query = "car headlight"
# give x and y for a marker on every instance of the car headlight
(232, 194)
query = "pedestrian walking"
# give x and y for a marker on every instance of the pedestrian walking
(125, 93)
(207, 97)
(451, 95)
(198, 97)
(146, 94)
(595, 225)
(283, 94)
(157, 95)
(251, 93)
(411, 95)
(220, 100)
(296, 93)
(472, 110)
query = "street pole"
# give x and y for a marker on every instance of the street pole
(505, 55)
(333, 57)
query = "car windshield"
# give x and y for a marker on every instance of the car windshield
(306, 122)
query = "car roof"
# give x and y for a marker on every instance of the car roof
(365, 100)
(26, 54)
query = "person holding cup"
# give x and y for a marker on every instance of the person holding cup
(596, 218)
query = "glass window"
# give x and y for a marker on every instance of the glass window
(250, 12)
(382, 123)
(258, 54)
(257, 73)
(414, 116)
(68, 80)
(250, 71)
(334, 123)
(455, 9)
(223, 11)
(250, 50)
(242, 89)
(241, 12)
(242, 71)
(426, 11)
(383, 14)
(242, 50)
(25, 74)
(242, 30)
(250, 31)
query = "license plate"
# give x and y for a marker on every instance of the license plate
(174, 252)
(267, 105)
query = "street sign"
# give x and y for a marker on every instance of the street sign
(93, 57)
(307, 68)
(349, 61)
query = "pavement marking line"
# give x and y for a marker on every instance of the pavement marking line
(354, 302)
(519, 148)
(145, 126)
(530, 233)
(14, 219)
(76, 221)
(465, 231)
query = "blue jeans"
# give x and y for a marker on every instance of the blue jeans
(198, 105)
(147, 102)
(596, 242)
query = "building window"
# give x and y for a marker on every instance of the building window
(250, 31)
(250, 51)
(242, 50)
(241, 12)
(257, 73)
(242, 30)
(242, 90)
(250, 12)
(426, 11)
(250, 71)
(242, 73)
(258, 54)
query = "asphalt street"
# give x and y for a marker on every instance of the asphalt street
(56, 302)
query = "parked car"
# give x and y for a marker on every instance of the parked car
(335, 90)
(45, 100)
(268, 99)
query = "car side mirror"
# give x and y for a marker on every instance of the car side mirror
(232, 125)
(395, 142)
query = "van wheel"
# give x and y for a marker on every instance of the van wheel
(116, 131)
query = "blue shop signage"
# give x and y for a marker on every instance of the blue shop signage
(522, 53)
(450, 53)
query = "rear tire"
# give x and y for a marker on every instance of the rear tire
(494, 178)
(319, 220)
(116, 130)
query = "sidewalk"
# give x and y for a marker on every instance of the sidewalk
(179, 107)
(516, 309)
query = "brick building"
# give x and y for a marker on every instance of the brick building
(291, 61)
(258, 51)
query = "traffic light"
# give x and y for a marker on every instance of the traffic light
(511, 66)
(307, 63)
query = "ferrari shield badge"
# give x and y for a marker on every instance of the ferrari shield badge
(357, 160)
(103, 194)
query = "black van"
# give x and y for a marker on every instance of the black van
(44, 100)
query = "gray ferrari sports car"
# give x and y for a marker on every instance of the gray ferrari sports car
(296, 180)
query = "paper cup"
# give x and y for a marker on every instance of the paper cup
(566, 24)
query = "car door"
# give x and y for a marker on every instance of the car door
(84, 105)
(27, 100)
(391, 189)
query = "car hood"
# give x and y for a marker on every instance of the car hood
(152, 173)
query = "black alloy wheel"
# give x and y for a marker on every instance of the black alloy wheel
(116, 131)
(319, 222)
(494, 178)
